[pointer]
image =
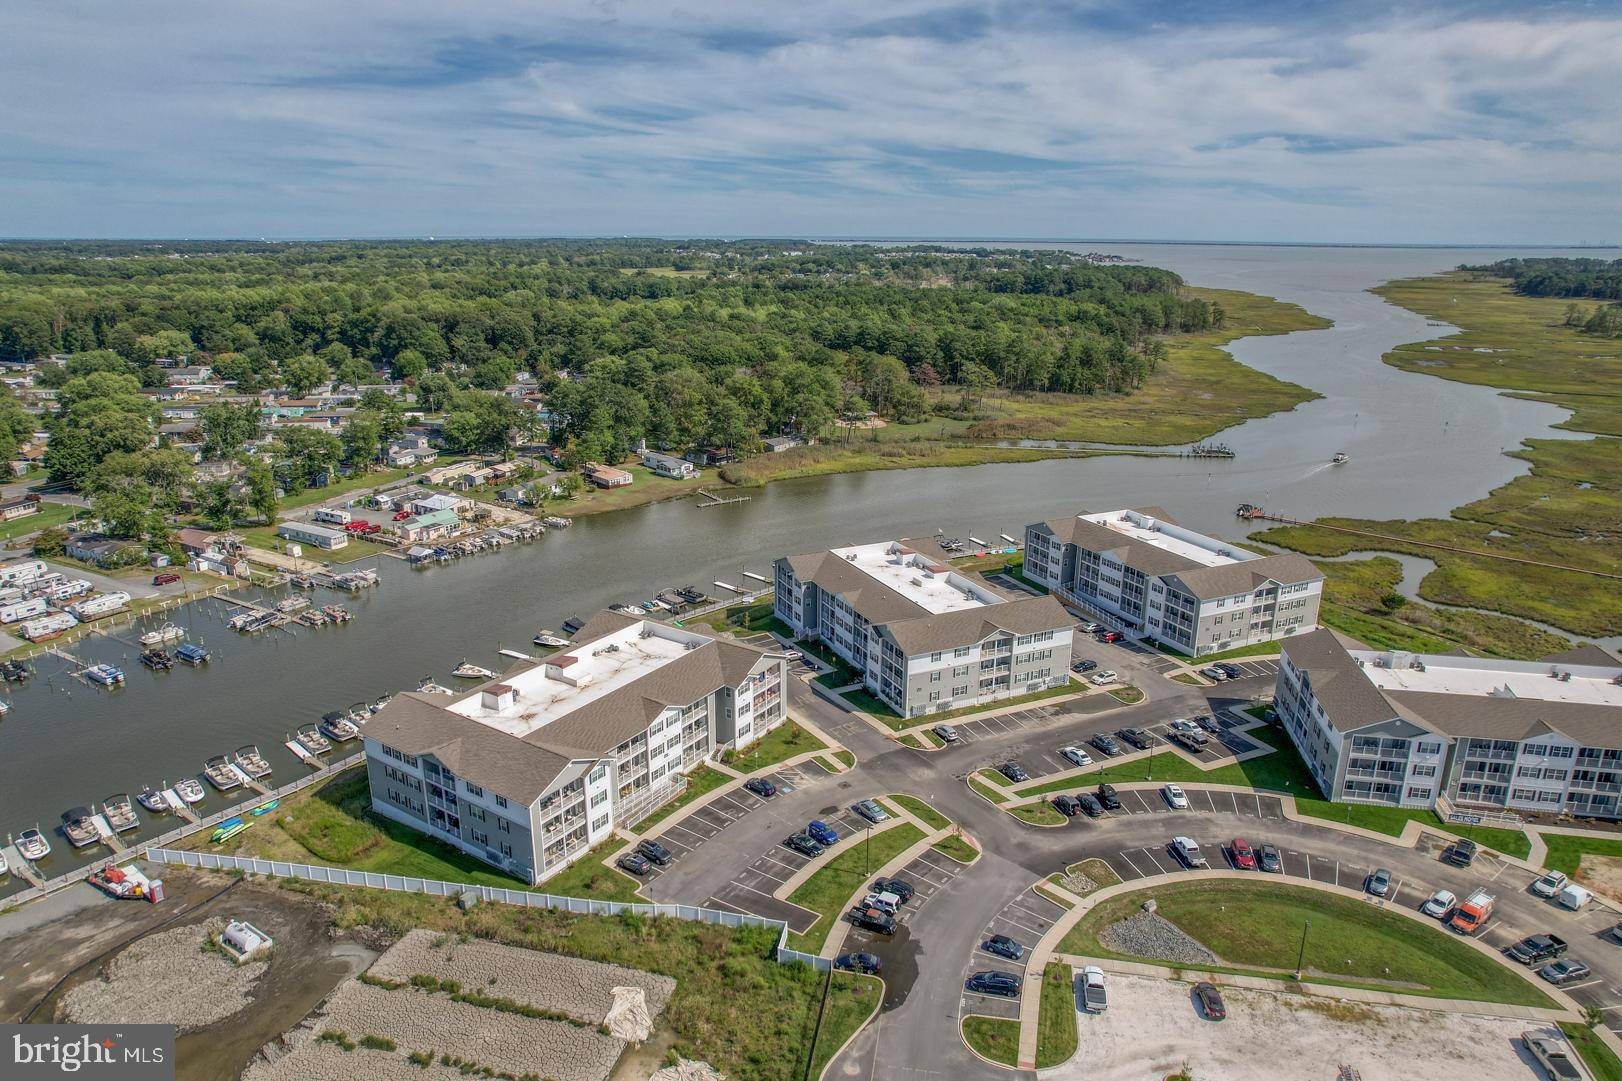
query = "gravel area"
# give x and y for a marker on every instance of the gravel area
(1151, 935)
(327, 1062)
(164, 977)
(580, 989)
(687, 1069)
(1077, 883)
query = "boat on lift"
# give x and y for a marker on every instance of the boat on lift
(166, 633)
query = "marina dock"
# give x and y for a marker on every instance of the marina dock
(718, 501)
(21, 867)
(179, 806)
(104, 830)
(247, 781)
(301, 753)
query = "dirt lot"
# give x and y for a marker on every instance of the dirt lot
(1602, 874)
(1152, 1029)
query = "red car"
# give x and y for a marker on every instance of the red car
(166, 579)
(401, 515)
(1244, 857)
(1111, 636)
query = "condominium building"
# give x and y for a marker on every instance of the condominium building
(1410, 729)
(531, 769)
(924, 637)
(1194, 593)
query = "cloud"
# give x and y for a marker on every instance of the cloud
(1171, 120)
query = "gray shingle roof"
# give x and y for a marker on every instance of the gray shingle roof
(418, 723)
(949, 630)
(1229, 579)
(1349, 700)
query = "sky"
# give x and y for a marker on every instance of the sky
(1466, 122)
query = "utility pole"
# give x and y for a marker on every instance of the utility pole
(1300, 957)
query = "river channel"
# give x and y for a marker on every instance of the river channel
(1418, 445)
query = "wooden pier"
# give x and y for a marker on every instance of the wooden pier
(22, 868)
(717, 501)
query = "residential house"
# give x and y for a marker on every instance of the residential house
(20, 507)
(663, 465)
(409, 451)
(605, 476)
(439, 501)
(777, 444)
(473, 478)
(101, 550)
(190, 375)
(309, 533)
(443, 474)
(702, 456)
(427, 527)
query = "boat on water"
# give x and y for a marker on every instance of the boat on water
(625, 609)
(550, 641)
(337, 613)
(266, 807)
(302, 581)
(5, 707)
(472, 671)
(191, 654)
(166, 633)
(310, 738)
(555, 522)
(219, 773)
(33, 845)
(5, 868)
(120, 813)
(78, 828)
(152, 800)
(228, 829)
(251, 762)
(1340, 458)
(315, 617)
(288, 605)
(15, 671)
(428, 686)
(157, 659)
(190, 790)
(338, 728)
(572, 625)
(105, 674)
(380, 703)
(693, 596)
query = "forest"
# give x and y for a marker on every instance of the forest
(1598, 279)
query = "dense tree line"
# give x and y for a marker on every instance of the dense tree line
(1598, 279)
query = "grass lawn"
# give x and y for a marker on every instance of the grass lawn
(1056, 1019)
(49, 514)
(588, 877)
(827, 890)
(345, 485)
(921, 811)
(265, 537)
(843, 674)
(785, 741)
(985, 790)
(1128, 695)
(1595, 1052)
(1566, 852)
(1100, 873)
(744, 619)
(1255, 649)
(1256, 927)
(853, 999)
(845, 758)
(699, 782)
(733, 1006)
(865, 701)
(1037, 814)
(1188, 678)
(956, 848)
(995, 1038)
(645, 487)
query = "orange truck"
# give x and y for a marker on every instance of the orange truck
(1472, 915)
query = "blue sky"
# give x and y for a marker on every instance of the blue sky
(1463, 123)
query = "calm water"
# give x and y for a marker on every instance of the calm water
(1419, 446)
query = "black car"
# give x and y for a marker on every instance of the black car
(1268, 859)
(1106, 744)
(1207, 722)
(656, 852)
(1014, 772)
(637, 865)
(1066, 805)
(1534, 948)
(858, 962)
(1090, 806)
(993, 983)
(1232, 671)
(898, 886)
(1107, 796)
(804, 844)
(1084, 666)
(1003, 946)
(1209, 1000)
(871, 919)
(1139, 738)
(1460, 853)
(761, 787)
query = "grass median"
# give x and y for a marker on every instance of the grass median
(922, 811)
(785, 741)
(994, 1038)
(1255, 928)
(1595, 1052)
(1056, 1017)
(956, 848)
(830, 887)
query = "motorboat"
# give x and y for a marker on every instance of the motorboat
(472, 671)
(380, 703)
(310, 738)
(15, 671)
(572, 625)
(556, 523)
(337, 613)
(335, 726)
(190, 790)
(157, 659)
(315, 617)
(428, 686)
(166, 633)
(78, 828)
(550, 641)
(5, 707)
(302, 581)
(5, 868)
(1340, 458)
(192, 654)
(625, 609)
(289, 605)
(152, 800)
(105, 674)
(251, 762)
(33, 845)
(120, 813)
(220, 774)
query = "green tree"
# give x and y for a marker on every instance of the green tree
(135, 492)
(305, 456)
(227, 427)
(300, 375)
(261, 483)
(217, 502)
(362, 438)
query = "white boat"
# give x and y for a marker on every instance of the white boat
(1340, 458)
(5, 868)
(190, 790)
(152, 799)
(472, 671)
(166, 633)
(428, 686)
(105, 674)
(551, 641)
(33, 846)
(250, 761)
(335, 726)
(311, 739)
(120, 814)
(220, 774)
(291, 604)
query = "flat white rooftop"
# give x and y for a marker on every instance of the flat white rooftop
(935, 591)
(1206, 551)
(1529, 680)
(558, 687)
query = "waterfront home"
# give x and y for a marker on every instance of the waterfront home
(532, 768)
(1194, 593)
(605, 476)
(702, 456)
(309, 533)
(101, 550)
(473, 478)
(444, 474)
(663, 465)
(20, 507)
(777, 444)
(439, 501)
(1422, 730)
(924, 636)
(427, 527)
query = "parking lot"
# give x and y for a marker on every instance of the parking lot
(1266, 666)
(702, 825)
(1035, 717)
(1025, 919)
(1046, 760)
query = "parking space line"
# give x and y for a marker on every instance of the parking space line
(1585, 983)
(1155, 860)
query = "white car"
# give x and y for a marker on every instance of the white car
(1077, 756)
(1439, 904)
(1175, 796)
(1183, 724)
(793, 654)
(1550, 884)
(1100, 679)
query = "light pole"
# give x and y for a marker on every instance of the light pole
(1300, 957)
(1151, 774)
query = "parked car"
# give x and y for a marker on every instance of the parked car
(858, 962)
(1091, 628)
(993, 983)
(871, 811)
(1068, 806)
(1194, 742)
(1214, 674)
(1183, 724)
(803, 844)
(1269, 860)
(1003, 946)
(1550, 884)
(1101, 679)
(1208, 722)
(1107, 796)
(1175, 797)
(401, 515)
(871, 919)
(1106, 744)
(1091, 991)
(1229, 669)
(898, 886)
(1090, 805)
(823, 833)
(887, 903)
(637, 865)
(761, 787)
(1379, 883)
(1243, 856)
(1460, 853)
(1138, 737)
(656, 852)
(1553, 1054)
(1187, 851)
(1014, 772)
(945, 733)
(1111, 636)
(1076, 756)
(1535, 948)
(1440, 904)
(1084, 665)
(1210, 1003)
(167, 578)
(1564, 971)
